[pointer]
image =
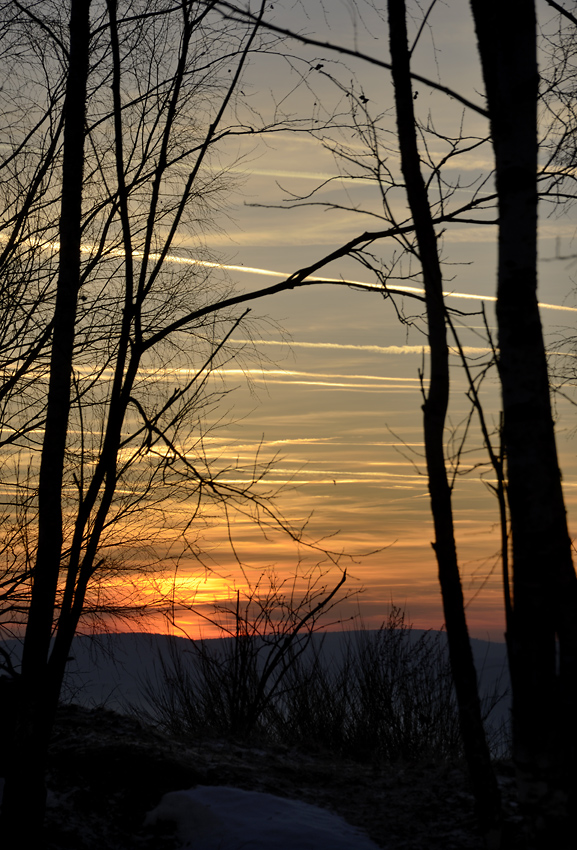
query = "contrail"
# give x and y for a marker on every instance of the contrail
(378, 349)
(409, 290)
(396, 290)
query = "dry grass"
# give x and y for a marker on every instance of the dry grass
(385, 696)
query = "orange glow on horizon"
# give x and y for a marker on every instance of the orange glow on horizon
(202, 606)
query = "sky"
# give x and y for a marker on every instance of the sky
(322, 386)
(328, 380)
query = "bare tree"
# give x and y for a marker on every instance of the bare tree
(543, 642)
(541, 610)
(117, 171)
(123, 336)
(435, 407)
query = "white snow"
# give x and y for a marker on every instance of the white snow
(224, 818)
(218, 817)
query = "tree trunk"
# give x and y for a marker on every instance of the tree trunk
(543, 638)
(483, 780)
(24, 794)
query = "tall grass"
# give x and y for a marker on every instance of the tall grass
(380, 695)
(389, 697)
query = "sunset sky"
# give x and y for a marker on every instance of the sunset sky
(330, 378)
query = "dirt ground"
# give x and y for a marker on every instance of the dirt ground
(107, 770)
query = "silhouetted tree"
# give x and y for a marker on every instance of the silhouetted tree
(125, 336)
(435, 407)
(542, 607)
(543, 638)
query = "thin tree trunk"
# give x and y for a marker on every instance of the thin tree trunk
(543, 638)
(24, 795)
(483, 780)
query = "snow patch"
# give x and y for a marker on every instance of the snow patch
(224, 818)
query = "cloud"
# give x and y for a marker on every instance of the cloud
(316, 176)
(291, 373)
(321, 379)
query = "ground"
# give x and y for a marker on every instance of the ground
(107, 771)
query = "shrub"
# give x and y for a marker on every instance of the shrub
(379, 695)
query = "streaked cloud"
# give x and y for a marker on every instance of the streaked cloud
(360, 284)
(292, 373)
(342, 281)
(375, 349)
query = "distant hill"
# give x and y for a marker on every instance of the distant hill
(112, 670)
